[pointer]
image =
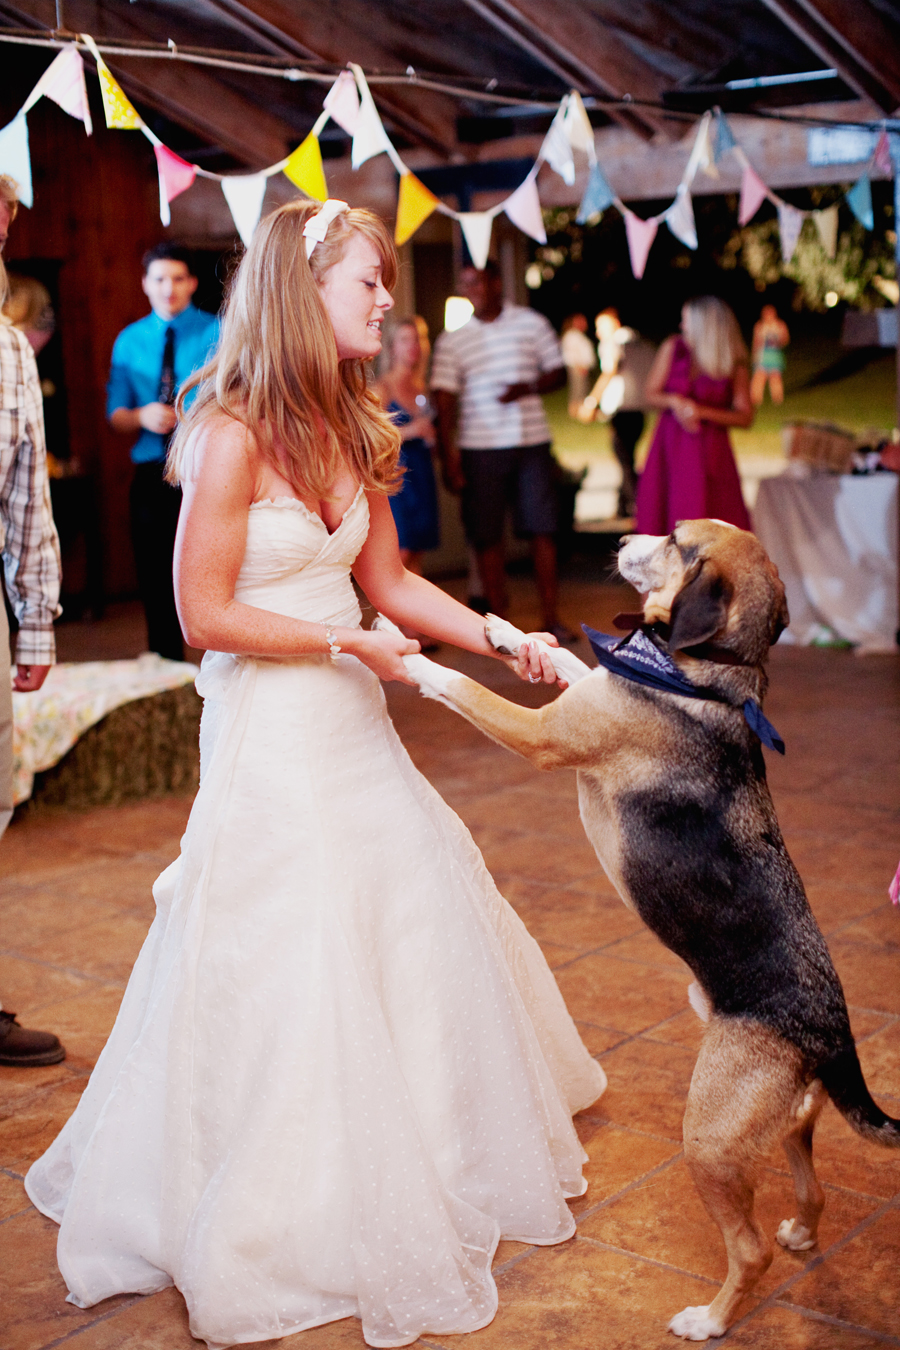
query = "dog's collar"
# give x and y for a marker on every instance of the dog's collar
(643, 661)
(704, 651)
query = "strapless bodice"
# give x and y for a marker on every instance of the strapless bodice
(293, 566)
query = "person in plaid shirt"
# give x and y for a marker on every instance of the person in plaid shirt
(30, 551)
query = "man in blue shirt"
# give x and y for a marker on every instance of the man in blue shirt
(151, 359)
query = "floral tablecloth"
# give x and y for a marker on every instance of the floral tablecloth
(74, 696)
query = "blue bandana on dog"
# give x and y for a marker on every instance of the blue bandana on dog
(638, 659)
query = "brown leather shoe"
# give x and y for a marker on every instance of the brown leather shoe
(27, 1049)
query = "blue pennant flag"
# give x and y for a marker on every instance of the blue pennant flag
(859, 199)
(598, 195)
(639, 660)
(723, 140)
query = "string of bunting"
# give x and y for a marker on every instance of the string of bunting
(350, 105)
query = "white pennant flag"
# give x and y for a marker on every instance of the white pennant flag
(790, 223)
(556, 149)
(15, 158)
(342, 102)
(702, 156)
(369, 137)
(476, 228)
(577, 125)
(680, 218)
(244, 194)
(63, 81)
(524, 210)
(826, 222)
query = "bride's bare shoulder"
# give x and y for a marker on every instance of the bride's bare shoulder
(219, 446)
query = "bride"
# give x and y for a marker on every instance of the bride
(342, 1070)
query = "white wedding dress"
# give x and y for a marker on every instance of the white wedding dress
(342, 1070)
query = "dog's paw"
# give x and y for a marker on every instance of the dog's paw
(695, 1324)
(795, 1236)
(503, 637)
(386, 625)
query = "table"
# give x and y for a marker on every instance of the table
(833, 538)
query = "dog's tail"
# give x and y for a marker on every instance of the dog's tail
(842, 1078)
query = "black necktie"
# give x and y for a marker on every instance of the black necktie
(167, 374)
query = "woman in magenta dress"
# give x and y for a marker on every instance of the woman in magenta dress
(700, 380)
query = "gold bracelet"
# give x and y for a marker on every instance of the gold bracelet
(333, 649)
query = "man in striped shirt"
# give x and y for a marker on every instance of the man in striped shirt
(493, 436)
(30, 552)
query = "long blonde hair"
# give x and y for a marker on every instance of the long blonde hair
(712, 333)
(9, 196)
(276, 369)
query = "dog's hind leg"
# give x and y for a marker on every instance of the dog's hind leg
(799, 1234)
(743, 1088)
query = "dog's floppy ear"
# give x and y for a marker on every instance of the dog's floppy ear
(700, 609)
(780, 617)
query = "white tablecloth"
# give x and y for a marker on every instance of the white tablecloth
(73, 697)
(833, 539)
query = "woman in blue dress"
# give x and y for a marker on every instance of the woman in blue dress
(404, 393)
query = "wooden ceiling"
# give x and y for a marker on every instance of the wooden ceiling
(653, 58)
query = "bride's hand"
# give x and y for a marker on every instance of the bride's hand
(534, 665)
(383, 651)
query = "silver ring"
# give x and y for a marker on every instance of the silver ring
(534, 679)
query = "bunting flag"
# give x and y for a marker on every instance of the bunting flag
(369, 136)
(244, 194)
(120, 114)
(476, 228)
(15, 158)
(304, 168)
(826, 222)
(680, 218)
(577, 126)
(641, 234)
(524, 210)
(414, 205)
(790, 223)
(175, 176)
(598, 195)
(859, 199)
(882, 156)
(702, 155)
(342, 102)
(63, 82)
(557, 150)
(723, 140)
(753, 193)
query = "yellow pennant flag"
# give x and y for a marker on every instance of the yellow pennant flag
(121, 115)
(414, 205)
(304, 169)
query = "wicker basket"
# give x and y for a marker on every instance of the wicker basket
(822, 446)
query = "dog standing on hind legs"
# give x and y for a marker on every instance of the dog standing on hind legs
(673, 797)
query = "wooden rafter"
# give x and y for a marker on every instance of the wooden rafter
(190, 96)
(581, 52)
(853, 38)
(429, 120)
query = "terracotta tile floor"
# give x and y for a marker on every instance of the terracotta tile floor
(76, 903)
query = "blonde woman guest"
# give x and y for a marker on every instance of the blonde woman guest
(701, 383)
(404, 393)
(341, 1071)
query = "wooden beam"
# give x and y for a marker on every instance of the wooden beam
(582, 52)
(853, 38)
(427, 118)
(191, 96)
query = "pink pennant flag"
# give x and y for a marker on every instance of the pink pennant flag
(753, 193)
(790, 223)
(882, 156)
(342, 102)
(63, 82)
(175, 175)
(641, 234)
(524, 210)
